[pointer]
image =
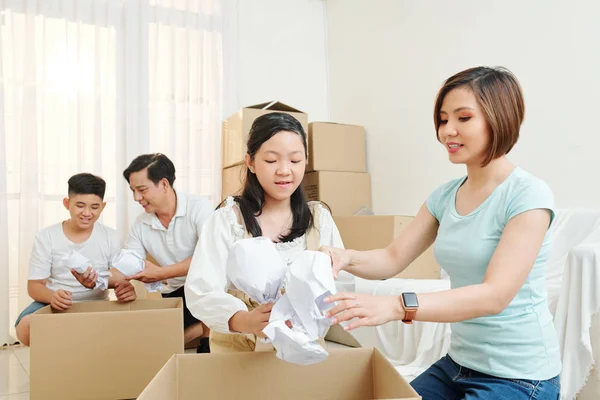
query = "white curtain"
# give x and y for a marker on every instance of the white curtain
(86, 86)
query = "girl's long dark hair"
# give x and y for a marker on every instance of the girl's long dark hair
(252, 199)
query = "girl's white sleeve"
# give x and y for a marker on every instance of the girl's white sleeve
(206, 283)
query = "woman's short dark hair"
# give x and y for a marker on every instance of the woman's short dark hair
(500, 97)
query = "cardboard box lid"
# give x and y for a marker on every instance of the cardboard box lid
(349, 374)
(114, 306)
(275, 106)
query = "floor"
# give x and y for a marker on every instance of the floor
(14, 373)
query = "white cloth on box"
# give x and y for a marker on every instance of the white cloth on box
(255, 267)
(129, 263)
(310, 280)
(578, 304)
(410, 348)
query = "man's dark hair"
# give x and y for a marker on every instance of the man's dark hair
(159, 167)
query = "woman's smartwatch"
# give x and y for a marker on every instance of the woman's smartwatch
(410, 303)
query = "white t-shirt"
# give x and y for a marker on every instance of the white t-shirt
(173, 244)
(51, 245)
(207, 283)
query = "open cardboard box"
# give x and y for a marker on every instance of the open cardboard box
(347, 374)
(102, 349)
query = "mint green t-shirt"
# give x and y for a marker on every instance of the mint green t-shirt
(520, 342)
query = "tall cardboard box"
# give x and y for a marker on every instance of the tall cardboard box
(344, 192)
(348, 374)
(377, 231)
(233, 179)
(102, 349)
(237, 127)
(336, 147)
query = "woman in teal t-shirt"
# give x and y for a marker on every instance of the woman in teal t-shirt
(492, 236)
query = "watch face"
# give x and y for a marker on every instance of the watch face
(410, 300)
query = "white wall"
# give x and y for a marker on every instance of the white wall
(276, 50)
(388, 58)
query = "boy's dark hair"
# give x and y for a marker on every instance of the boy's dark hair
(159, 167)
(85, 183)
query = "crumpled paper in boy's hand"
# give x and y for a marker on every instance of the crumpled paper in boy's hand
(80, 264)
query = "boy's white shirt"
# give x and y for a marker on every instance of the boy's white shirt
(176, 243)
(48, 259)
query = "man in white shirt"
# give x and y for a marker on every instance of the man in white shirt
(168, 231)
(52, 280)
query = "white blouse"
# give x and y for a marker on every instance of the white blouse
(207, 284)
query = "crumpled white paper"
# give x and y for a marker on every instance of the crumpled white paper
(254, 265)
(130, 263)
(80, 264)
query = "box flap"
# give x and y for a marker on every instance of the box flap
(115, 306)
(386, 384)
(347, 374)
(164, 384)
(274, 106)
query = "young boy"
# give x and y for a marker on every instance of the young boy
(51, 278)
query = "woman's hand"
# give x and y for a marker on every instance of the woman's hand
(370, 310)
(340, 259)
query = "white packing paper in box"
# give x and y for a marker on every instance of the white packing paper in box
(255, 267)
(80, 264)
(130, 263)
(310, 280)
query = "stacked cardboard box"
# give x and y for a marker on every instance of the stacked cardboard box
(376, 232)
(234, 138)
(337, 169)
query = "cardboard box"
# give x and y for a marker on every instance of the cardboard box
(349, 374)
(377, 231)
(236, 128)
(233, 179)
(336, 147)
(102, 349)
(344, 192)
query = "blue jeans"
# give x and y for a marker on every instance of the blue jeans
(447, 380)
(30, 309)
